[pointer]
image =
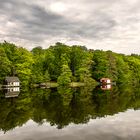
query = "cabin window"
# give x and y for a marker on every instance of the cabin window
(15, 83)
(11, 83)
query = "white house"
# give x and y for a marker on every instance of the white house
(12, 81)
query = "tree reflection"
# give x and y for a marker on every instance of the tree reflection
(63, 106)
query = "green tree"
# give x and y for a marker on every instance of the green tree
(5, 65)
(46, 76)
(65, 77)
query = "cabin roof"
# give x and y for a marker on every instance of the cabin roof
(12, 79)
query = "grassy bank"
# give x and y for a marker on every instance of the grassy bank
(76, 84)
(55, 84)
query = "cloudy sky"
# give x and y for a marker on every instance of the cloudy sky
(97, 24)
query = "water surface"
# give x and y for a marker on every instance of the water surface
(67, 113)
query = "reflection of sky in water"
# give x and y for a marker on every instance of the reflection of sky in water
(125, 126)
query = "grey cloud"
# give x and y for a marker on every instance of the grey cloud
(35, 23)
(38, 21)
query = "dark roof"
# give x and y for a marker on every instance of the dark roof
(12, 79)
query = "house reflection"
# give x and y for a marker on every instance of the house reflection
(11, 92)
(106, 87)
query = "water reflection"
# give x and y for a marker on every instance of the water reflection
(122, 126)
(63, 106)
(11, 92)
(106, 87)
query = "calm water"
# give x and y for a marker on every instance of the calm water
(65, 114)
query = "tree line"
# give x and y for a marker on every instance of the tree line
(65, 64)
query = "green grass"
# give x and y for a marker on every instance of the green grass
(72, 84)
(76, 84)
(51, 84)
(55, 84)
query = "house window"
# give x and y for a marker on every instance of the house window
(11, 83)
(15, 83)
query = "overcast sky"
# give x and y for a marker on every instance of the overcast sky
(97, 24)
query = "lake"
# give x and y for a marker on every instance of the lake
(71, 113)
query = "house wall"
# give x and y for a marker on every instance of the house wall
(14, 83)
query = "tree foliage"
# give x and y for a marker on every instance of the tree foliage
(67, 64)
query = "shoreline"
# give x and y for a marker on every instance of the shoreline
(55, 84)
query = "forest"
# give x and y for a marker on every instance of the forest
(65, 64)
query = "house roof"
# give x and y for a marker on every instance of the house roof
(12, 79)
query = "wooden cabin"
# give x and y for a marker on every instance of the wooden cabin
(105, 81)
(12, 82)
(12, 92)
